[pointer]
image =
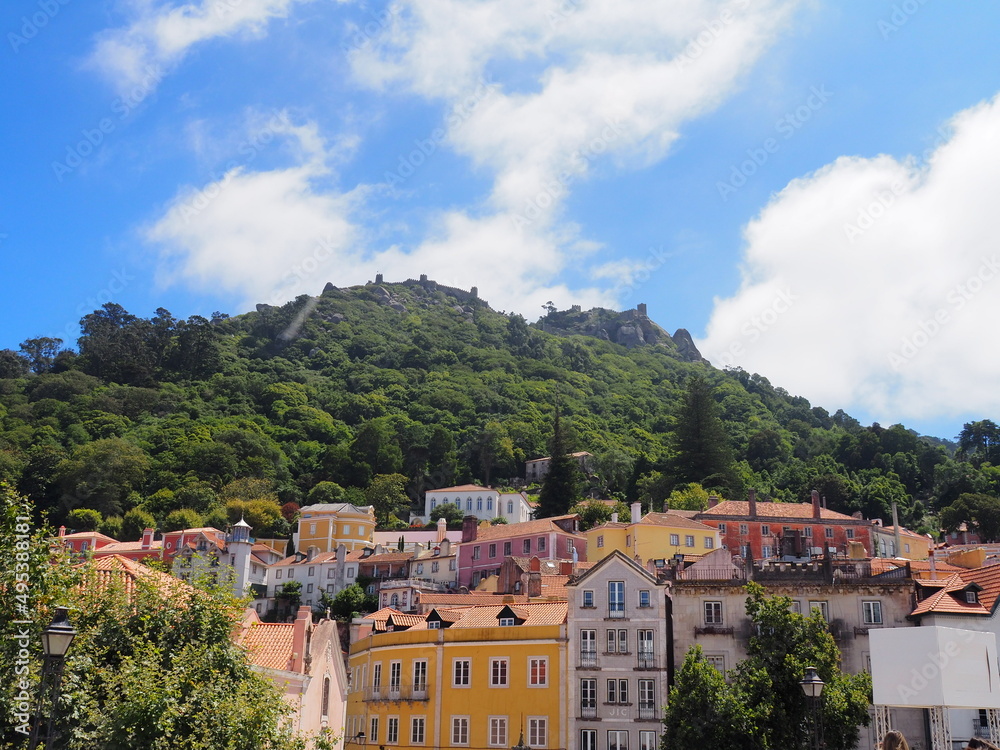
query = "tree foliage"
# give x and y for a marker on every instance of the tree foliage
(561, 485)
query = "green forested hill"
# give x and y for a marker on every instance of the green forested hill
(313, 400)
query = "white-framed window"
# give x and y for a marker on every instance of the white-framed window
(418, 726)
(689, 540)
(717, 660)
(600, 540)
(906, 547)
(709, 544)
(493, 550)
(648, 740)
(452, 564)
(277, 575)
(373, 729)
(420, 569)
(588, 739)
(506, 549)
(828, 532)
(849, 533)
(796, 607)
(588, 598)
(722, 528)
(809, 532)
(538, 731)
(616, 598)
(476, 552)
(420, 674)
(765, 529)
(459, 730)
(713, 613)
(617, 641)
(507, 622)
(823, 607)
(510, 507)
(498, 731)
(588, 645)
(618, 739)
(489, 503)
(644, 600)
(971, 597)
(617, 691)
(291, 574)
(461, 672)
(435, 566)
(392, 730)
(395, 676)
(675, 540)
(312, 529)
(433, 624)
(538, 671)
(766, 550)
(479, 503)
(468, 504)
(350, 572)
(744, 528)
(872, 612)
(377, 675)
(499, 668)
(331, 572)
(588, 697)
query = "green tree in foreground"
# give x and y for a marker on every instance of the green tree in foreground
(764, 707)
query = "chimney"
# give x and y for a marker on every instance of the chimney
(442, 530)
(534, 564)
(534, 587)
(816, 506)
(470, 528)
(636, 512)
(614, 518)
(565, 567)
(713, 500)
(147, 538)
(752, 501)
(895, 531)
(303, 619)
(930, 558)
(62, 531)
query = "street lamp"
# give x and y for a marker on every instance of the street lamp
(359, 738)
(56, 640)
(812, 686)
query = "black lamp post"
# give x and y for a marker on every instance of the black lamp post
(56, 640)
(812, 686)
(359, 738)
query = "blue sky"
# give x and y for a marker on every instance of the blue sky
(808, 187)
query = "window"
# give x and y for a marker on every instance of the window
(312, 528)
(459, 730)
(498, 731)
(872, 612)
(644, 598)
(628, 540)
(489, 503)
(616, 598)
(600, 540)
(823, 607)
(540, 546)
(713, 613)
(291, 574)
(510, 507)
(433, 624)
(709, 543)
(493, 550)
(452, 564)
(526, 546)
(647, 659)
(647, 740)
(849, 533)
(468, 504)
(498, 672)
(377, 675)
(392, 730)
(744, 550)
(507, 622)
(647, 700)
(420, 675)
(809, 532)
(617, 691)
(588, 648)
(395, 672)
(479, 503)
(970, 597)
(718, 661)
(309, 588)
(765, 530)
(588, 698)
(461, 673)
(796, 607)
(538, 671)
(373, 730)
(722, 528)
(675, 540)
(588, 598)
(588, 739)
(278, 575)
(350, 572)
(433, 503)
(506, 549)
(417, 730)
(476, 552)
(828, 532)
(538, 731)
(618, 641)
(766, 551)
(689, 540)
(618, 739)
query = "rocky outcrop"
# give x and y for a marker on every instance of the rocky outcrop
(686, 347)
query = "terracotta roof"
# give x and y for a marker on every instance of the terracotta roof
(87, 535)
(505, 530)
(110, 549)
(474, 598)
(741, 508)
(949, 599)
(883, 564)
(115, 569)
(387, 557)
(533, 613)
(270, 645)
(404, 620)
(555, 586)
(322, 557)
(989, 578)
(464, 488)
(610, 525)
(905, 532)
(675, 519)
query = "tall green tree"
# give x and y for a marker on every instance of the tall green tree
(701, 447)
(41, 353)
(561, 485)
(981, 512)
(387, 493)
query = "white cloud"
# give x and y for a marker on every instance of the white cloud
(160, 34)
(875, 282)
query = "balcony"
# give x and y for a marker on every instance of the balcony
(394, 693)
(588, 711)
(588, 659)
(646, 660)
(616, 612)
(648, 712)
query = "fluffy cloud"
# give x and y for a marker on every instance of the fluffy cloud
(159, 35)
(876, 281)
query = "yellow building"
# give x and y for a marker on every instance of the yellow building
(910, 546)
(474, 677)
(327, 525)
(655, 536)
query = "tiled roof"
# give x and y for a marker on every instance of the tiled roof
(906, 532)
(883, 564)
(322, 557)
(989, 578)
(555, 586)
(675, 519)
(949, 599)
(87, 535)
(463, 488)
(463, 600)
(334, 508)
(120, 570)
(533, 613)
(610, 525)
(506, 530)
(741, 508)
(270, 645)
(405, 620)
(388, 557)
(110, 549)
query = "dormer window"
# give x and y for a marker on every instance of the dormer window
(433, 624)
(971, 597)
(507, 622)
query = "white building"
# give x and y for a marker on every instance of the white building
(485, 503)
(318, 572)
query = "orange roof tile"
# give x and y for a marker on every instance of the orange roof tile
(946, 601)
(554, 586)
(534, 613)
(464, 488)
(538, 526)
(270, 645)
(804, 511)
(989, 578)
(110, 549)
(111, 569)
(404, 620)
(387, 557)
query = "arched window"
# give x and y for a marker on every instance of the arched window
(326, 697)
(394, 601)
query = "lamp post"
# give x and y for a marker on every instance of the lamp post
(359, 739)
(56, 640)
(812, 686)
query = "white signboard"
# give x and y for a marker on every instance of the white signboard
(934, 666)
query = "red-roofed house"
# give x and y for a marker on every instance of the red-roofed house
(758, 527)
(81, 542)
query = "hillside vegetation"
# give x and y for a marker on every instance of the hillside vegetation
(365, 392)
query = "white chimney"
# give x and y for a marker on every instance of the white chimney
(636, 512)
(442, 529)
(614, 518)
(930, 557)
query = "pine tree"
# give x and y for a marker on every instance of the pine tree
(702, 452)
(561, 485)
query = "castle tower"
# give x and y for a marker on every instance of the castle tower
(240, 546)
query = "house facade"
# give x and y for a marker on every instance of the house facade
(617, 660)
(485, 503)
(655, 536)
(536, 469)
(326, 526)
(318, 572)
